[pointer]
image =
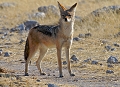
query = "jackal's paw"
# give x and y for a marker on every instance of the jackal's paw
(72, 74)
(26, 74)
(61, 76)
(42, 74)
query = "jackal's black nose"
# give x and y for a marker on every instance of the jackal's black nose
(65, 19)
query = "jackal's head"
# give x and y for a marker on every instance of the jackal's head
(67, 15)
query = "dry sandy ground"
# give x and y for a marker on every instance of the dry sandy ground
(86, 74)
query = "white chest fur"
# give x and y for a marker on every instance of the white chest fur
(67, 29)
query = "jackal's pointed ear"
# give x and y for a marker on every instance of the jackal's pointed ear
(73, 7)
(62, 8)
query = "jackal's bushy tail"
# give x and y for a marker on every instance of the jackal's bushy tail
(26, 51)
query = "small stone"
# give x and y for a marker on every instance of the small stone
(53, 71)
(88, 35)
(109, 71)
(87, 60)
(30, 24)
(64, 62)
(101, 64)
(109, 65)
(6, 54)
(112, 49)
(16, 82)
(8, 43)
(22, 61)
(1, 75)
(48, 74)
(117, 35)
(117, 45)
(81, 36)
(74, 58)
(52, 85)
(3, 37)
(75, 80)
(80, 49)
(108, 48)
(1, 32)
(1, 52)
(76, 39)
(94, 62)
(5, 34)
(38, 80)
(104, 41)
(7, 75)
(12, 30)
(20, 27)
(83, 66)
(18, 77)
(21, 41)
(112, 59)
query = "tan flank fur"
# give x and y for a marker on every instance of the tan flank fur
(42, 37)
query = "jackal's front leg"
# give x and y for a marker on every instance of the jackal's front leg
(59, 48)
(67, 50)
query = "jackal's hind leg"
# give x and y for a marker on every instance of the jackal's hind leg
(32, 51)
(42, 53)
(26, 67)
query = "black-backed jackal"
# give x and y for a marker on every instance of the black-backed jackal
(43, 37)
